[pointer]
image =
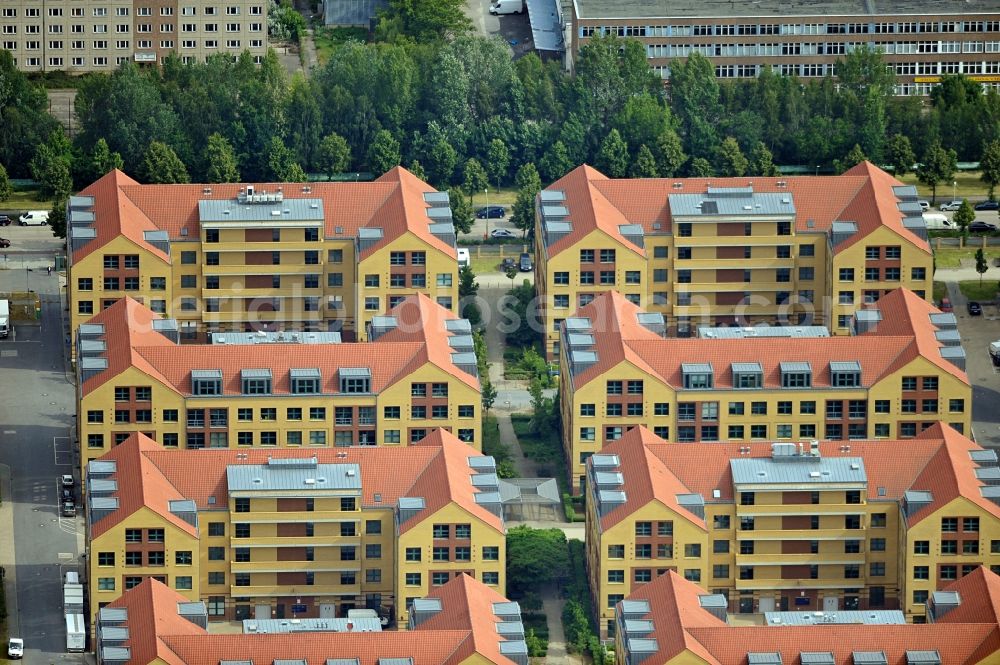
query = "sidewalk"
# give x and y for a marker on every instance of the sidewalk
(552, 607)
(7, 559)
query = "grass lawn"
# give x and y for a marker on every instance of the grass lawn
(326, 39)
(485, 264)
(544, 449)
(968, 184)
(985, 292)
(538, 622)
(504, 197)
(951, 257)
(25, 199)
(492, 445)
(940, 291)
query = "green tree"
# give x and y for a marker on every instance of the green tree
(518, 307)
(24, 118)
(57, 217)
(670, 155)
(989, 165)
(423, 20)
(964, 216)
(982, 265)
(555, 162)
(383, 154)
(700, 168)
(161, 165)
(899, 153)
(694, 97)
(864, 69)
(761, 161)
(334, 155)
(612, 159)
(467, 285)
(497, 161)
(938, 166)
(729, 159)
(535, 557)
(642, 120)
(281, 162)
(417, 169)
(220, 160)
(610, 71)
(51, 166)
(644, 165)
(461, 210)
(475, 177)
(5, 188)
(850, 160)
(529, 185)
(103, 161)
(489, 392)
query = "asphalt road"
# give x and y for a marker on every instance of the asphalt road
(36, 407)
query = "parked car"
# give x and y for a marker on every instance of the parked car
(66, 480)
(502, 233)
(4, 220)
(34, 218)
(945, 305)
(15, 648)
(69, 508)
(66, 494)
(987, 205)
(491, 212)
(924, 205)
(980, 226)
(951, 205)
(4, 243)
(508, 264)
(525, 264)
(975, 309)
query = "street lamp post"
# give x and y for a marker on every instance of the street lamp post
(817, 169)
(486, 190)
(954, 185)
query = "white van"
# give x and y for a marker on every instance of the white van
(506, 7)
(34, 218)
(935, 221)
(463, 257)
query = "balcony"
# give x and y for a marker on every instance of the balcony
(279, 246)
(820, 583)
(821, 559)
(332, 566)
(753, 263)
(802, 534)
(758, 285)
(242, 293)
(290, 517)
(294, 590)
(298, 541)
(780, 509)
(287, 268)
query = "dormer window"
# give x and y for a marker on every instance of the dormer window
(206, 382)
(748, 376)
(697, 376)
(796, 375)
(357, 380)
(255, 382)
(845, 374)
(305, 381)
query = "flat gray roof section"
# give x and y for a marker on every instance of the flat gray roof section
(766, 9)
(264, 477)
(546, 26)
(733, 332)
(728, 205)
(800, 471)
(230, 210)
(867, 617)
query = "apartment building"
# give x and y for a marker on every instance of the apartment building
(729, 251)
(290, 533)
(902, 371)
(672, 620)
(463, 622)
(265, 391)
(921, 41)
(62, 35)
(813, 526)
(274, 257)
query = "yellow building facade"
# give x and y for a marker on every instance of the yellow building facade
(728, 251)
(900, 373)
(827, 527)
(273, 257)
(270, 390)
(294, 534)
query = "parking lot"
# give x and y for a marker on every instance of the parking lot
(977, 333)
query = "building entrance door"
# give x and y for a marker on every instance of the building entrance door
(327, 610)
(830, 604)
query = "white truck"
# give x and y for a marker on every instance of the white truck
(506, 7)
(995, 352)
(4, 318)
(73, 598)
(76, 633)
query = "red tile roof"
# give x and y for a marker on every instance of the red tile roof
(680, 624)
(132, 342)
(937, 460)
(905, 334)
(394, 202)
(863, 194)
(436, 468)
(465, 627)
